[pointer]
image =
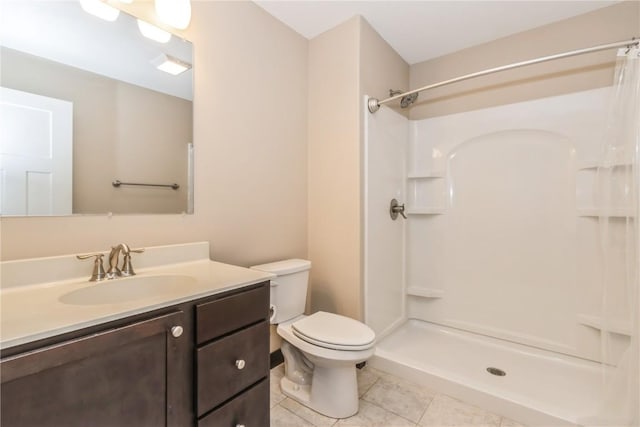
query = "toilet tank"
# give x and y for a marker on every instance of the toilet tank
(289, 289)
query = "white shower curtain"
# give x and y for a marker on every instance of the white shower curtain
(617, 197)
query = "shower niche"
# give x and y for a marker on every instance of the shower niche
(426, 194)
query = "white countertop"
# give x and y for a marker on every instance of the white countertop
(33, 312)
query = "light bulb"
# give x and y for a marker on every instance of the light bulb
(100, 9)
(154, 33)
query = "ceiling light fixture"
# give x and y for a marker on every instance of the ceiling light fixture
(176, 13)
(171, 65)
(100, 9)
(154, 33)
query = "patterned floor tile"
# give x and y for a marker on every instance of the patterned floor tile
(506, 422)
(446, 411)
(366, 378)
(370, 415)
(307, 414)
(400, 397)
(281, 417)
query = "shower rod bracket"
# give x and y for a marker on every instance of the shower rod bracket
(373, 105)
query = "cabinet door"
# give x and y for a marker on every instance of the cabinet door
(127, 376)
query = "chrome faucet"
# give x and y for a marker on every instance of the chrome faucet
(114, 256)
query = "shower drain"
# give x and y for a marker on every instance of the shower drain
(496, 371)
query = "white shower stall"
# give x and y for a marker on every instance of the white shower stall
(498, 265)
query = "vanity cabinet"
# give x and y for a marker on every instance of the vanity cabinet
(203, 362)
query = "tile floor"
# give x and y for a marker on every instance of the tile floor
(385, 401)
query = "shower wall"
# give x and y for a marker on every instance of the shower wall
(386, 137)
(502, 235)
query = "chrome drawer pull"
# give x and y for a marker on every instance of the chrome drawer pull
(240, 364)
(176, 331)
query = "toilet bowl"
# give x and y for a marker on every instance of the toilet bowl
(332, 388)
(320, 350)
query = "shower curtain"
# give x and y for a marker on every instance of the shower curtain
(617, 198)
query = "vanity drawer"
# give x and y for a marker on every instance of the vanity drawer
(249, 409)
(229, 365)
(227, 314)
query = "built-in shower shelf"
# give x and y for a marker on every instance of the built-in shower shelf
(610, 213)
(594, 164)
(426, 175)
(425, 292)
(615, 326)
(425, 211)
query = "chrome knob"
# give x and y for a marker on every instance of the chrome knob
(240, 364)
(239, 425)
(176, 331)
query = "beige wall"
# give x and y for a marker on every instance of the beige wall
(120, 131)
(251, 153)
(345, 63)
(607, 25)
(334, 170)
(381, 69)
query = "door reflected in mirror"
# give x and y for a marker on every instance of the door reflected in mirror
(84, 102)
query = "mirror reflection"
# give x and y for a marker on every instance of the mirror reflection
(86, 102)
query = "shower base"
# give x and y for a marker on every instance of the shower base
(539, 388)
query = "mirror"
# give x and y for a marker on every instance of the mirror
(83, 106)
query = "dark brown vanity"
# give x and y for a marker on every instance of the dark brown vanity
(204, 362)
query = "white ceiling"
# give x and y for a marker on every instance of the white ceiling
(421, 30)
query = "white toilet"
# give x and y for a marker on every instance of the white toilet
(321, 350)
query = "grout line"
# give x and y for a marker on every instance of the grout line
(426, 409)
(296, 415)
(369, 388)
(389, 411)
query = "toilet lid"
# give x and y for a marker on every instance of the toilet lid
(334, 331)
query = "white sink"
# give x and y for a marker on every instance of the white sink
(126, 289)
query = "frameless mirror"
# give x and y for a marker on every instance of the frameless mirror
(89, 123)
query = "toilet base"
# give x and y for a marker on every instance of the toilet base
(333, 391)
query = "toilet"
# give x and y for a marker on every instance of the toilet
(320, 350)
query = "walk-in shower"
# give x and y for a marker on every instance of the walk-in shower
(513, 282)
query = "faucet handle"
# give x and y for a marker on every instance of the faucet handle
(98, 269)
(127, 268)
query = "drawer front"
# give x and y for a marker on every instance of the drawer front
(231, 364)
(227, 314)
(250, 409)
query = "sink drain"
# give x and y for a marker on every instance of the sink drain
(496, 371)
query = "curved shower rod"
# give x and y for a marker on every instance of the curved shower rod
(374, 104)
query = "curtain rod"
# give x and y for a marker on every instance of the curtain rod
(374, 104)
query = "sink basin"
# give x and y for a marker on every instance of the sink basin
(126, 289)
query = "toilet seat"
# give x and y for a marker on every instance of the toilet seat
(334, 332)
